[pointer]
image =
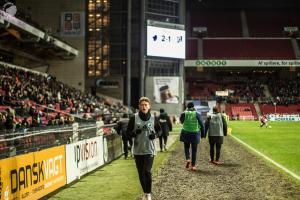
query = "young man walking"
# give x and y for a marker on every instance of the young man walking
(144, 128)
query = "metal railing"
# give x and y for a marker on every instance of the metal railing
(23, 142)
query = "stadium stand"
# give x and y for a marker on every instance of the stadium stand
(192, 51)
(247, 89)
(285, 91)
(219, 23)
(227, 38)
(247, 49)
(243, 111)
(270, 22)
(288, 109)
(34, 100)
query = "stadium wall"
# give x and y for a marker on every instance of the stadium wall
(48, 14)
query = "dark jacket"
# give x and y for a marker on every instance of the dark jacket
(144, 117)
(165, 123)
(122, 127)
(9, 123)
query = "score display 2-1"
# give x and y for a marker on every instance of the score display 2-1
(165, 42)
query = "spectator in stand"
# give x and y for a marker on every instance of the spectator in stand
(9, 123)
(25, 124)
(2, 121)
(18, 124)
(73, 111)
(70, 120)
(57, 117)
(52, 122)
(61, 120)
(37, 119)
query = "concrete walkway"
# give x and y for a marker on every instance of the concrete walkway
(171, 139)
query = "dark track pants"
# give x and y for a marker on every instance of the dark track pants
(187, 151)
(144, 165)
(126, 148)
(162, 141)
(215, 142)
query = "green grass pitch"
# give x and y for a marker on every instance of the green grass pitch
(280, 143)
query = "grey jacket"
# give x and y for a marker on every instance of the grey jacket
(216, 125)
(146, 123)
(142, 145)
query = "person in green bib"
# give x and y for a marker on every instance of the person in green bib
(192, 130)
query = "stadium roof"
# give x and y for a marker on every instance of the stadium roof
(22, 39)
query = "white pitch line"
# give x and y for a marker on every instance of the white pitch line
(267, 158)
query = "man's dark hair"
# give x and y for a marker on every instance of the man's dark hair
(161, 110)
(190, 105)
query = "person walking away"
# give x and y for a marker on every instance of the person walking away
(121, 130)
(166, 126)
(191, 132)
(216, 127)
(144, 128)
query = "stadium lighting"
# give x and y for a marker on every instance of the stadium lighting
(291, 31)
(200, 32)
(10, 8)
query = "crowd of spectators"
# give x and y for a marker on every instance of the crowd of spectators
(285, 91)
(30, 99)
(250, 89)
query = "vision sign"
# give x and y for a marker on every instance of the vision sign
(83, 157)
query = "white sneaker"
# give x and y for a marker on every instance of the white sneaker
(148, 196)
